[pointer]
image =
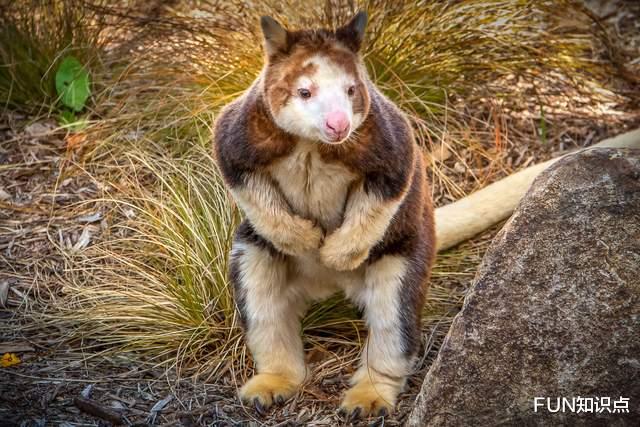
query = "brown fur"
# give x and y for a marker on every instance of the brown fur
(389, 178)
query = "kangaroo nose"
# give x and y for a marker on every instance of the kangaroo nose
(337, 124)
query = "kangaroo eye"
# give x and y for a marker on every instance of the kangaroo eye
(304, 93)
(351, 90)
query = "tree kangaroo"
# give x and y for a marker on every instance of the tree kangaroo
(335, 197)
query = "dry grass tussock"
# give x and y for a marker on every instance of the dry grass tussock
(154, 281)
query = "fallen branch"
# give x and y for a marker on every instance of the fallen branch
(93, 408)
(471, 215)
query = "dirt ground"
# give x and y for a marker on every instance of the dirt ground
(41, 178)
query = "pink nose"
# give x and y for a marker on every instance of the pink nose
(337, 124)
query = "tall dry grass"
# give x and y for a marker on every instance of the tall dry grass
(158, 284)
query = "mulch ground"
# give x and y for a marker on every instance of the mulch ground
(43, 220)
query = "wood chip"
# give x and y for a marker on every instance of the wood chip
(159, 406)
(86, 392)
(91, 218)
(83, 241)
(15, 347)
(4, 293)
(4, 195)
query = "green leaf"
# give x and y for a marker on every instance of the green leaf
(72, 83)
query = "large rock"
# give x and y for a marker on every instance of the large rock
(555, 307)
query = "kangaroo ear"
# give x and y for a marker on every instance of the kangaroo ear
(352, 34)
(275, 36)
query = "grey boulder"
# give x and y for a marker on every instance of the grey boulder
(554, 310)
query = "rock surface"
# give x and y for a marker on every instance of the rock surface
(554, 310)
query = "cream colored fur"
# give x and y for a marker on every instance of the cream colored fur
(461, 220)
(313, 188)
(270, 214)
(274, 310)
(365, 221)
(383, 367)
(277, 289)
(277, 293)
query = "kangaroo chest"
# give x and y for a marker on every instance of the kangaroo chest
(315, 189)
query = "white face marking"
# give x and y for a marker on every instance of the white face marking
(329, 88)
